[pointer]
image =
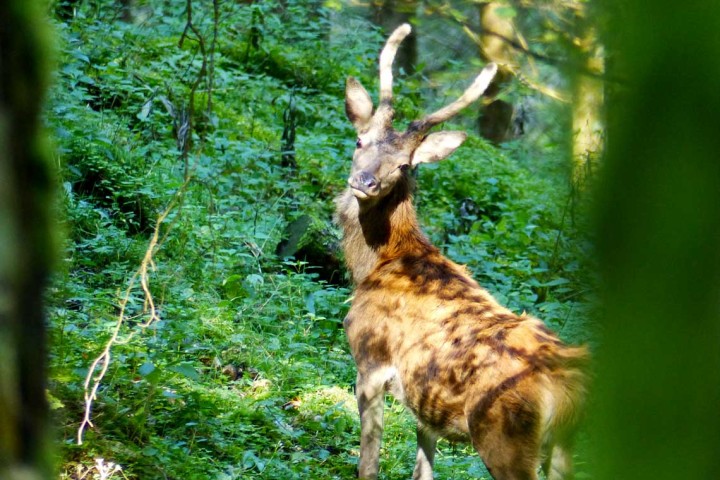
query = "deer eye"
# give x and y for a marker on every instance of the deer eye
(404, 167)
(358, 143)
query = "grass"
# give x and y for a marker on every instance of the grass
(246, 371)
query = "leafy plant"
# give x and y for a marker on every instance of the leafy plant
(245, 371)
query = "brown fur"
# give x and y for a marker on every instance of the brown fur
(467, 367)
(421, 328)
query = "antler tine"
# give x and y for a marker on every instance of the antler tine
(472, 93)
(387, 56)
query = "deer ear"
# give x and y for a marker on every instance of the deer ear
(437, 146)
(358, 104)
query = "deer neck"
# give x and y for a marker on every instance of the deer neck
(380, 232)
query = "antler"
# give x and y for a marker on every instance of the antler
(472, 93)
(384, 112)
(387, 56)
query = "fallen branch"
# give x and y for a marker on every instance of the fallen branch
(102, 362)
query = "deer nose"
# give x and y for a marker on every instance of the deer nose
(364, 182)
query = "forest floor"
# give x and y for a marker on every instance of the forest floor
(185, 150)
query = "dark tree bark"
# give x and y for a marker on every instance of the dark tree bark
(65, 9)
(495, 123)
(127, 14)
(658, 382)
(390, 14)
(26, 243)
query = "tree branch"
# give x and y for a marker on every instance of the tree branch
(523, 48)
(102, 362)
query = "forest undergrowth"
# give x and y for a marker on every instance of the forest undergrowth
(186, 146)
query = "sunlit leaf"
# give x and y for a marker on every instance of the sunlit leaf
(185, 369)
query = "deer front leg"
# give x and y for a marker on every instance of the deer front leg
(370, 391)
(426, 441)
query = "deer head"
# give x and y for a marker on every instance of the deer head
(382, 155)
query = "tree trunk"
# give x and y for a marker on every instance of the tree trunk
(588, 100)
(26, 244)
(657, 395)
(127, 13)
(495, 123)
(390, 14)
(65, 9)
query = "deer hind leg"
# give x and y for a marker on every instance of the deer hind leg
(426, 441)
(370, 392)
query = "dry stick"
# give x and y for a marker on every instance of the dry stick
(201, 74)
(211, 66)
(149, 305)
(147, 261)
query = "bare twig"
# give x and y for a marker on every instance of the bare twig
(522, 47)
(190, 26)
(102, 362)
(211, 66)
(100, 365)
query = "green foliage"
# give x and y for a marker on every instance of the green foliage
(246, 374)
(512, 227)
(658, 232)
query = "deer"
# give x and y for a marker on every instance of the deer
(420, 328)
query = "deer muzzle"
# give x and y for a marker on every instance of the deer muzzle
(364, 185)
